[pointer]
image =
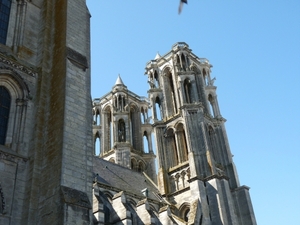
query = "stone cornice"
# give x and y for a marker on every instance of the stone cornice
(178, 167)
(11, 156)
(215, 176)
(177, 192)
(172, 118)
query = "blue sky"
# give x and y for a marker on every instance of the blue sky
(254, 47)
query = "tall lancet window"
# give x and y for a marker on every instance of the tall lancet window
(97, 117)
(5, 101)
(182, 144)
(143, 115)
(4, 19)
(211, 104)
(205, 77)
(172, 148)
(183, 62)
(158, 111)
(170, 94)
(121, 131)
(97, 146)
(156, 80)
(108, 130)
(213, 142)
(188, 90)
(146, 142)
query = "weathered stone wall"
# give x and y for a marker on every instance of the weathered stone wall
(46, 174)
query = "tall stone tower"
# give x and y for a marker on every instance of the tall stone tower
(123, 129)
(196, 172)
(45, 112)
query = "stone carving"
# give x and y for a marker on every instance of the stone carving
(17, 66)
(12, 158)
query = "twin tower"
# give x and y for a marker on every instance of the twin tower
(164, 159)
(181, 117)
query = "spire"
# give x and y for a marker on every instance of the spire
(157, 55)
(119, 85)
(119, 81)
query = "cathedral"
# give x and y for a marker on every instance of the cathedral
(117, 159)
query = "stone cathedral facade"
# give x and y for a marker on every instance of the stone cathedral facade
(121, 158)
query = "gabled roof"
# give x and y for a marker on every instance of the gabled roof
(123, 179)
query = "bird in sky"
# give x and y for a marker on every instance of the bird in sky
(181, 2)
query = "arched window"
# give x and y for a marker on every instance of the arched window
(135, 123)
(5, 101)
(170, 94)
(98, 118)
(97, 145)
(182, 142)
(188, 90)
(121, 103)
(156, 80)
(205, 77)
(143, 118)
(183, 62)
(121, 131)
(107, 129)
(4, 19)
(158, 109)
(213, 143)
(172, 148)
(211, 104)
(13, 104)
(146, 142)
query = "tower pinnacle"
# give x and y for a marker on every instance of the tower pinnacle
(119, 81)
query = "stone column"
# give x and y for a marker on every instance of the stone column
(19, 123)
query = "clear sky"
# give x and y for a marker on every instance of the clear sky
(254, 47)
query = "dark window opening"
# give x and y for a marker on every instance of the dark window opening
(4, 19)
(121, 131)
(5, 101)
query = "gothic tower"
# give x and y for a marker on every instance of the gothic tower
(122, 130)
(196, 172)
(45, 139)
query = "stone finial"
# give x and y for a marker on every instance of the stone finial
(119, 81)
(157, 56)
